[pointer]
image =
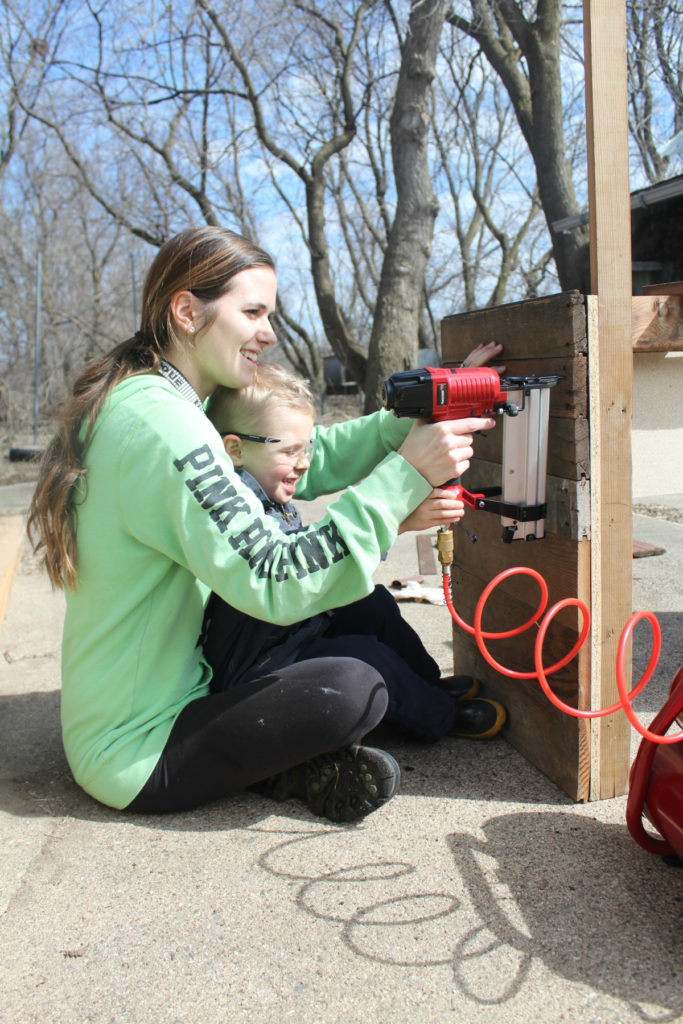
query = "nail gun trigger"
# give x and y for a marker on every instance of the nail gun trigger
(471, 500)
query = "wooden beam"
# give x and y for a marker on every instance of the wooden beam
(12, 536)
(668, 288)
(657, 322)
(426, 562)
(610, 378)
(657, 319)
(557, 322)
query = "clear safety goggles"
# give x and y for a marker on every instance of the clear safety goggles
(294, 451)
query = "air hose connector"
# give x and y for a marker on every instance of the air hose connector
(445, 545)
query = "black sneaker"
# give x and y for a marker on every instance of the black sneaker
(458, 687)
(342, 786)
(478, 719)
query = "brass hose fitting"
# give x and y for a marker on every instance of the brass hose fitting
(444, 546)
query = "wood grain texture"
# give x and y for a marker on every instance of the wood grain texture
(610, 377)
(548, 328)
(657, 323)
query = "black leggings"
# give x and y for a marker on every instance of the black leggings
(227, 741)
(374, 631)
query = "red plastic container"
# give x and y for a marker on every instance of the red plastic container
(656, 783)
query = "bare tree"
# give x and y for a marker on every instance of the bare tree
(171, 146)
(320, 142)
(143, 110)
(397, 314)
(86, 279)
(330, 99)
(29, 42)
(655, 73)
(492, 209)
(329, 134)
(525, 52)
(163, 114)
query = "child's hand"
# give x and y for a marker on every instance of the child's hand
(439, 509)
(482, 354)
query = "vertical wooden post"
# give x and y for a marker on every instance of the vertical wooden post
(610, 376)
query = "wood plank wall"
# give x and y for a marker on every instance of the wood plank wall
(543, 336)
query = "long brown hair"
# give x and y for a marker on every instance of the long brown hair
(202, 260)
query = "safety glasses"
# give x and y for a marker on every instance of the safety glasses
(292, 450)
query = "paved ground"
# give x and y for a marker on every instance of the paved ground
(481, 893)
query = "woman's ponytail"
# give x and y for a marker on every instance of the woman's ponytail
(62, 479)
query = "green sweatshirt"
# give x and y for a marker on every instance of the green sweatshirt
(164, 519)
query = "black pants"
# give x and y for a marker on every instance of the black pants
(371, 630)
(227, 741)
(370, 666)
(374, 631)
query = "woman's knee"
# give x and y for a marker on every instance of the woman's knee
(352, 695)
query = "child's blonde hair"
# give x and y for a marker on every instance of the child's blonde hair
(242, 410)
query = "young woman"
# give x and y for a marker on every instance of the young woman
(140, 514)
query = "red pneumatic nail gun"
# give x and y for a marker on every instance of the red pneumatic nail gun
(439, 393)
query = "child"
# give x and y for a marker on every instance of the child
(266, 430)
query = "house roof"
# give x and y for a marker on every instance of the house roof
(641, 197)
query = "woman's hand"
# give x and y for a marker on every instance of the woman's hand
(442, 451)
(439, 509)
(483, 354)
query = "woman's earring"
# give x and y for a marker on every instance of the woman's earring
(190, 329)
